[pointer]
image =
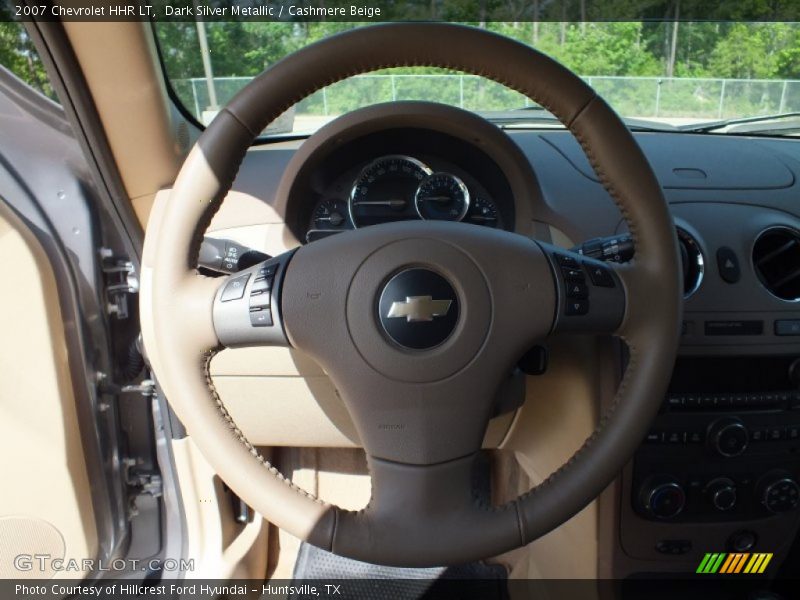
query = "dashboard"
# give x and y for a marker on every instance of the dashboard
(720, 469)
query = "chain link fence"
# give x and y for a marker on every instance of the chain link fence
(642, 97)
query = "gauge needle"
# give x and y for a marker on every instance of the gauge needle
(435, 198)
(390, 203)
(482, 218)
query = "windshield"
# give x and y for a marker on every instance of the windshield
(675, 75)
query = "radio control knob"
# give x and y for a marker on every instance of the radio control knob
(721, 492)
(728, 437)
(663, 498)
(781, 494)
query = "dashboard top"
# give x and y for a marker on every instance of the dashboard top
(725, 194)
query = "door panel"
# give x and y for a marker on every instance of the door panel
(45, 507)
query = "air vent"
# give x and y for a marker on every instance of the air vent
(776, 258)
(692, 261)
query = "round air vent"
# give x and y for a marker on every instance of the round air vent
(692, 261)
(776, 259)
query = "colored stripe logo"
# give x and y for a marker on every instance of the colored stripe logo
(734, 563)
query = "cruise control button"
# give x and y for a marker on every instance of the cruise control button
(576, 307)
(576, 289)
(600, 276)
(234, 289)
(261, 317)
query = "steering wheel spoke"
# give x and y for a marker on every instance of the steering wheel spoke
(247, 305)
(592, 296)
(426, 507)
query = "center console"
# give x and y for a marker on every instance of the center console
(720, 468)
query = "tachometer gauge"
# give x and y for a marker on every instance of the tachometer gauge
(384, 190)
(442, 197)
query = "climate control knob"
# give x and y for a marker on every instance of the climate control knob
(728, 437)
(780, 494)
(662, 498)
(721, 492)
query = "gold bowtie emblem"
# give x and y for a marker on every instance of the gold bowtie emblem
(419, 308)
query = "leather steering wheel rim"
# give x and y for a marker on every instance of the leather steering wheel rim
(180, 335)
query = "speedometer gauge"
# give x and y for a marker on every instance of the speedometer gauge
(384, 190)
(442, 197)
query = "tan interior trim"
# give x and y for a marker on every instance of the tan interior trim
(46, 504)
(220, 547)
(120, 64)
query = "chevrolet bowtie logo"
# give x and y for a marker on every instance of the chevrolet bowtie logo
(419, 308)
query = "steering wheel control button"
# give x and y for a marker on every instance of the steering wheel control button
(571, 274)
(418, 309)
(260, 317)
(577, 307)
(259, 301)
(728, 265)
(261, 296)
(266, 271)
(567, 261)
(577, 289)
(261, 285)
(234, 290)
(600, 276)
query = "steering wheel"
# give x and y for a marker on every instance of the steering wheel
(416, 323)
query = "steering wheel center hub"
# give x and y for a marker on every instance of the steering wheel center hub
(418, 309)
(431, 309)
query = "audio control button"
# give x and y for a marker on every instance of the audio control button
(775, 434)
(728, 437)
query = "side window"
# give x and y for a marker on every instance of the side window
(18, 54)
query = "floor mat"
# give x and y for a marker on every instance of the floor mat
(363, 581)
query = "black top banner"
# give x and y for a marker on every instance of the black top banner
(478, 11)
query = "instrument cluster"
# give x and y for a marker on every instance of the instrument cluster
(398, 187)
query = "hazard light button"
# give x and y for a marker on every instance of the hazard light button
(728, 265)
